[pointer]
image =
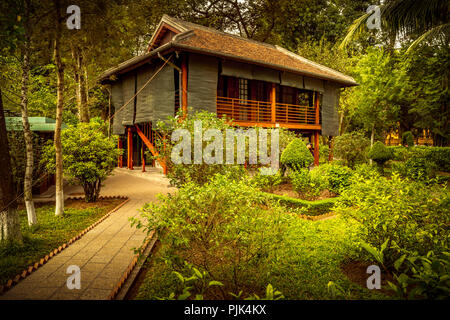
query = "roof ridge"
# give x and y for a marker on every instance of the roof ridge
(196, 25)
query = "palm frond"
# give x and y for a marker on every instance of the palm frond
(433, 33)
(414, 16)
(355, 29)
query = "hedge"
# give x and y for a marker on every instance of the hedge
(316, 208)
(439, 156)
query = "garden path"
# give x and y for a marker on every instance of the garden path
(104, 253)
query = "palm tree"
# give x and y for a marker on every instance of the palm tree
(422, 20)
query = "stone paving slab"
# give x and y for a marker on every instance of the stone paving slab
(104, 253)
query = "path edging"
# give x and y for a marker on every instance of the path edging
(28, 271)
(151, 239)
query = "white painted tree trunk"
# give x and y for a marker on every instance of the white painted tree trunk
(28, 179)
(59, 205)
(9, 217)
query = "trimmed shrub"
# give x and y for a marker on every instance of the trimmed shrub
(399, 153)
(352, 148)
(315, 208)
(296, 155)
(441, 157)
(408, 139)
(380, 154)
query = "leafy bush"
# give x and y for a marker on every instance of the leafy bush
(267, 182)
(352, 148)
(89, 156)
(366, 171)
(296, 155)
(409, 215)
(418, 168)
(311, 183)
(338, 177)
(380, 154)
(408, 139)
(324, 153)
(300, 180)
(422, 277)
(217, 227)
(180, 174)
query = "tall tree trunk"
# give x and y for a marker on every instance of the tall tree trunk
(80, 79)
(28, 180)
(9, 218)
(59, 205)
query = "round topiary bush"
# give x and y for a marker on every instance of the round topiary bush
(380, 154)
(408, 139)
(296, 155)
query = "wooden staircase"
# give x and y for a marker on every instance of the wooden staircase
(151, 146)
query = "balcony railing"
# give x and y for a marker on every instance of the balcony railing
(251, 111)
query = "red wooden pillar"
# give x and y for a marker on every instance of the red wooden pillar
(143, 158)
(273, 101)
(130, 149)
(316, 133)
(184, 80)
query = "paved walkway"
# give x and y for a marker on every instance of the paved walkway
(104, 253)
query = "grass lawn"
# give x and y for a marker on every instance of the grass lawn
(312, 254)
(50, 233)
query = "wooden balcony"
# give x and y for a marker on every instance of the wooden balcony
(261, 113)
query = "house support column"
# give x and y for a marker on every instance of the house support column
(316, 133)
(273, 101)
(143, 158)
(184, 80)
(130, 149)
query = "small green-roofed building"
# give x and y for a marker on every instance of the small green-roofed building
(37, 124)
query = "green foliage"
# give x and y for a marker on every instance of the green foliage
(338, 177)
(314, 208)
(383, 89)
(89, 156)
(408, 139)
(419, 168)
(440, 156)
(422, 276)
(18, 155)
(300, 180)
(267, 182)
(380, 154)
(296, 155)
(180, 174)
(412, 216)
(217, 226)
(399, 153)
(193, 286)
(351, 147)
(366, 171)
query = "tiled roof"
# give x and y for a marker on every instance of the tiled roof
(218, 42)
(198, 38)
